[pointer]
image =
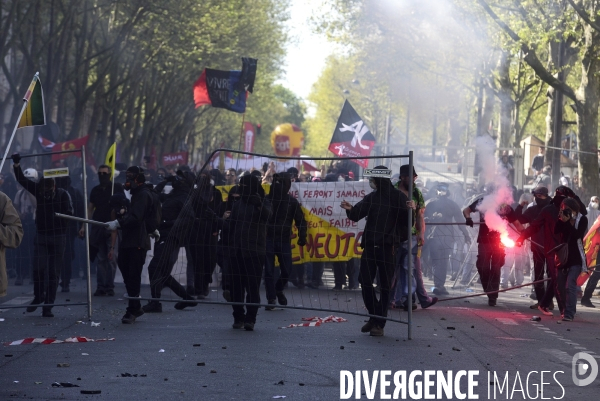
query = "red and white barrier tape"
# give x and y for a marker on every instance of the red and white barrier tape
(316, 321)
(55, 341)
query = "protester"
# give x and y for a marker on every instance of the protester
(101, 243)
(25, 204)
(285, 210)
(491, 250)
(417, 204)
(166, 248)
(49, 243)
(546, 221)
(538, 162)
(570, 230)
(136, 241)
(592, 211)
(442, 239)
(230, 177)
(248, 224)
(386, 227)
(11, 234)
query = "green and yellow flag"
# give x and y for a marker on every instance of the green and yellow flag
(111, 158)
(34, 113)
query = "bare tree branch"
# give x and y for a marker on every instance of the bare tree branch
(530, 56)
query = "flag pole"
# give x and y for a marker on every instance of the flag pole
(25, 101)
(240, 141)
(112, 168)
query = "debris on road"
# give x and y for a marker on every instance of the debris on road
(201, 364)
(67, 384)
(94, 324)
(32, 340)
(316, 321)
(63, 365)
(535, 319)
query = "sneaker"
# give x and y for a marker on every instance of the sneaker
(376, 331)
(183, 304)
(544, 310)
(533, 296)
(227, 295)
(567, 319)
(414, 306)
(33, 308)
(337, 288)
(47, 313)
(431, 303)
(350, 288)
(281, 298)
(270, 302)
(367, 326)
(492, 301)
(587, 302)
(152, 307)
(249, 326)
(100, 293)
(440, 291)
(534, 306)
(110, 293)
(128, 318)
(206, 291)
(238, 324)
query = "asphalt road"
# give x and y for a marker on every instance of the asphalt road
(301, 363)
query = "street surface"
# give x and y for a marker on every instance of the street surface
(301, 363)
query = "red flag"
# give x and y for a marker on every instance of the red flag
(69, 145)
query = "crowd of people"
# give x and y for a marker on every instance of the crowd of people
(248, 234)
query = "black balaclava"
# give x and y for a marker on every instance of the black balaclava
(231, 197)
(49, 188)
(249, 186)
(561, 193)
(282, 183)
(134, 177)
(383, 184)
(104, 179)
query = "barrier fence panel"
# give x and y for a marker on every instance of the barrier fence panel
(51, 265)
(266, 243)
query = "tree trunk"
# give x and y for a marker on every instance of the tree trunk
(506, 101)
(587, 113)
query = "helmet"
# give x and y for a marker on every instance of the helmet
(31, 174)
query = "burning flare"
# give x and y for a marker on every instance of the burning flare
(506, 241)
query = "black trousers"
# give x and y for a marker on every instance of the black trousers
(67, 269)
(204, 259)
(48, 254)
(161, 267)
(377, 261)
(539, 265)
(591, 284)
(551, 285)
(131, 263)
(490, 259)
(246, 273)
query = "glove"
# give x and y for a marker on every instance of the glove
(16, 158)
(155, 235)
(113, 225)
(469, 222)
(301, 241)
(254, 200)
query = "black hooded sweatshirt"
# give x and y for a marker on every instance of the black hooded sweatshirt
(386, 213)
(285, 209)
(249, 218)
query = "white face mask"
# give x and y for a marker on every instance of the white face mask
(372, 185)
(212, 182)
(595, 205)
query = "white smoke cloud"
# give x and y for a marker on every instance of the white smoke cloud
(502, 195)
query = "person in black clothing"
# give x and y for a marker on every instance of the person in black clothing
(166, 249)
(541, 200)
(100, 239)
(77, 200)
(570, 229)
(203, 248)
(285, 210)
(49, 243)
(386, 227)
(225, 248)
(546, 221)
(248, 225)
(490, 250)
(538, 162)
(136, 241)
(441, 239)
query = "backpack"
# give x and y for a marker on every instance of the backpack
(154, 216)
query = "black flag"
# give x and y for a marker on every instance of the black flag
(352, 137)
